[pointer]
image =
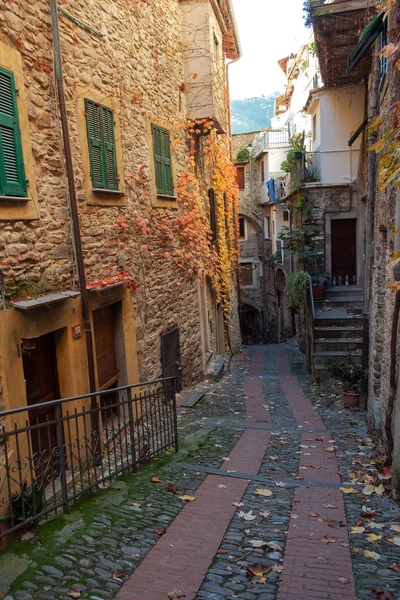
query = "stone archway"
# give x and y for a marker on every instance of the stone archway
(284, 312)
(251, 324)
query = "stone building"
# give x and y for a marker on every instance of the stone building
(158, 240)
(372, 64)
(265, 312)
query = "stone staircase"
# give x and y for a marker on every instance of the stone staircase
(338, 327)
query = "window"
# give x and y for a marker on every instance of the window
(213, 214)
(12, 173)
(262, 172)
(314, 128)
(101, 142)
(383, 43)
(242, 228)
(246, 273)
(286, 215)
(267, 227)
(240, 177)
(162, 161)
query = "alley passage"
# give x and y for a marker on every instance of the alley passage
(251, 507)
(312, 567)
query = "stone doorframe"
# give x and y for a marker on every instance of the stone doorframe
(329, 217)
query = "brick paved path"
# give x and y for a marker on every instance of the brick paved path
(311, 568)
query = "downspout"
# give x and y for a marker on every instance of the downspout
(74, 212)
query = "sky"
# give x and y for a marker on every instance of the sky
(268, 30)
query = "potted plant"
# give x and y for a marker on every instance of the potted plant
(349, 373)
(319, 279)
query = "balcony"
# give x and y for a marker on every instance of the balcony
(337, 27)
(271, 139)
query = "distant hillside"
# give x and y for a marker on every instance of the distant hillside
(252, 114)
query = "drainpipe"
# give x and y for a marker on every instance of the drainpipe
(74, 212)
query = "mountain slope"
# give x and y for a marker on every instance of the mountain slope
(252, 114)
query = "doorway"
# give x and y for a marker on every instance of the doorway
(42, 385)
(344, 244)
(106, 358)
(171, 356)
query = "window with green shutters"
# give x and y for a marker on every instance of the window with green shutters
(12, 173)
(162, 161)
(101, 141)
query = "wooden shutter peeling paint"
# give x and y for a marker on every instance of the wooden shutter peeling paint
(101, 141)
(162, 161)
(12, 173)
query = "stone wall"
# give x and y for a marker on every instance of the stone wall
(115, 52)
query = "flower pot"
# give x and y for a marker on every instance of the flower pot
(318, 292)
(351, 399)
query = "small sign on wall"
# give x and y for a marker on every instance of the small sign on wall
(77, 331)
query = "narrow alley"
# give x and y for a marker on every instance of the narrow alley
(264, 500)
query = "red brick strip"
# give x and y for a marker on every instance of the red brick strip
(183, 555)
(181, 558)
(313, 568)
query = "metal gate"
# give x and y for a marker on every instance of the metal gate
(171, 356)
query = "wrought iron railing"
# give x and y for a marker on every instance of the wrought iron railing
(83, 442)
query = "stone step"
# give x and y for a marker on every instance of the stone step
(343, 291)
(338, 345)
(323, 357)
(350, 302)
(343, 321)
(338, 332)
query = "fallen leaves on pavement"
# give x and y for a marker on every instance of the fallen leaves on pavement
(160, 531)
(257, 570)
(263, 492)
(348, 490)
(154, 479)
(172, 488)
(328, 539)
(247, 516)
(175, 594)
(379, 594)
(187, 498)
(370, 554)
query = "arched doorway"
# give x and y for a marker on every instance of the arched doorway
(251, 324)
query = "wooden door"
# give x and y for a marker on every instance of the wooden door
(344, 256)
(106, 358)
(42, 385)
(171, 356)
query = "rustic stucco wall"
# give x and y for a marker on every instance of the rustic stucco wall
(124, 59)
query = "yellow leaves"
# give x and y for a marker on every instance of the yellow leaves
(357, 530)
(263, 492)
(374, 537)
(371, 555)
(348, 490)
(188, 498)
(372, 489)
(378, 146)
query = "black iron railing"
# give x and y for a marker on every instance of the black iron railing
(48, 463)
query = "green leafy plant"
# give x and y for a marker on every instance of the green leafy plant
(319, 277)
(275, 257)
(297, 286)
(243, 155)
(311, 174)
(348, 372)
(297, 242)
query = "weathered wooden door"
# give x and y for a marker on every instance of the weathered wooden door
(344, 255)
(106, 359)
(171, 356)
(42, 385)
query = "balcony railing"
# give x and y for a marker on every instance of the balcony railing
(48, 463)
(271, 139)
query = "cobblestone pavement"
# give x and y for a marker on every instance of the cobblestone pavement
(278, 469)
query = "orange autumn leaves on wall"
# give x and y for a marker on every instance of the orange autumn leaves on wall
(184, 237)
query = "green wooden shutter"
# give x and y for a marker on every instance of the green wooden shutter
(162, 161)
(12, 173)
(94, 133)
(110, 158)
(157, 152)
(166, 162)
